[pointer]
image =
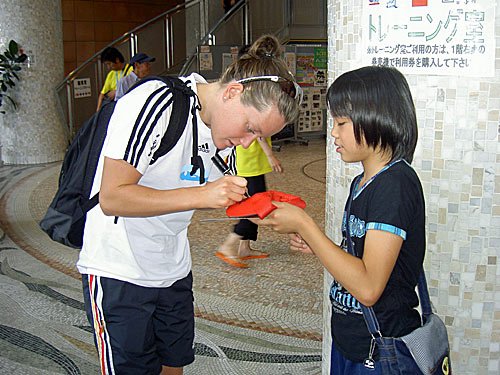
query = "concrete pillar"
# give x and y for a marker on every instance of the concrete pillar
(35, 132)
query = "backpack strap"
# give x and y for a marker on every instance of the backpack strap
(196, 159)
(182, 95)
(180, 109)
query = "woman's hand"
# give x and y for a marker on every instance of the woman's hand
(224, 192)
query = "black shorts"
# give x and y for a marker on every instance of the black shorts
(139, 329)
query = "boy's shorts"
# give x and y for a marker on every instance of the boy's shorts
(139, 329)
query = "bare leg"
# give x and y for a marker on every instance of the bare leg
(246, 252)
(167, 370)
(230, 246)
(228, 251)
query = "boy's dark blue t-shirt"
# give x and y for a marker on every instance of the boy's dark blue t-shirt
(393, 201)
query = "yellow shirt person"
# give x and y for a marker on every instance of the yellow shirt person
(113, 59)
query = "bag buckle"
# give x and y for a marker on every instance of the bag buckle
(369, 363)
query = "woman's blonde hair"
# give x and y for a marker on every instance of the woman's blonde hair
(264, 58)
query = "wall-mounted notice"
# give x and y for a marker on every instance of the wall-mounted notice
(291, 62)
(206, 62)
(228, 59)
(312, 110)
(440, 37)
(81, 88)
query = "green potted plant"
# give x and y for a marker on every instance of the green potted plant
(10, 64)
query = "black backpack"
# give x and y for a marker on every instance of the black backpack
(64, 221)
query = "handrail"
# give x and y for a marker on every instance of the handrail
(236, 7)
(224, 18)
(125, 37)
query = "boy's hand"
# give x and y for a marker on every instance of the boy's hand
(275, 164)
(286, 218)
(298, 244)
(111, 94)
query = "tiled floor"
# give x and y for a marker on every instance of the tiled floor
(262, 320)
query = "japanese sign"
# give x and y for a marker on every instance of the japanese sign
(81, 88)
(441, 37)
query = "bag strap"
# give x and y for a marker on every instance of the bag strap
(105, 110)
(182, 95)
(368, 312)
(127, 69)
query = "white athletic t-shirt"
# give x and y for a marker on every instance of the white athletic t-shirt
(151, 251)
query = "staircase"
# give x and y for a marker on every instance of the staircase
(175, 38)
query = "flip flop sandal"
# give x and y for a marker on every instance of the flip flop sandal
(262, 255)
(232, 261)
(260, 204)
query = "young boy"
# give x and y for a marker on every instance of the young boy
(113, 59)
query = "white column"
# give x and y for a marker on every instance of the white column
(35, 132)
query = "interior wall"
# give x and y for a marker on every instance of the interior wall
(88, 26)
(458, 162)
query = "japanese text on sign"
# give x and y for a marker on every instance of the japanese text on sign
(441, 37)
(82, 88)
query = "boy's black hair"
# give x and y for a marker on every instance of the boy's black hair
(111, 54)
(380, 105)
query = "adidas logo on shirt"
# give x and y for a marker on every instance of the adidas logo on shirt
(204, 148)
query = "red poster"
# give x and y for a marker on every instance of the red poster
(419, 3)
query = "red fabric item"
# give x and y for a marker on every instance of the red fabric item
(260, 204)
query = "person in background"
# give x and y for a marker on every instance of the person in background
(142, 68)
(252, 163)
(135, 260)
(114, 61)
(374, 122)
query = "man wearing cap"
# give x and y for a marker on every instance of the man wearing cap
(142, 68)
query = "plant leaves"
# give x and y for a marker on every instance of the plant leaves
(9, 65)
(21, 58)
(11, 101)
(13, 48)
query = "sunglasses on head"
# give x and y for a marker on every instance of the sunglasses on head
(291, 88)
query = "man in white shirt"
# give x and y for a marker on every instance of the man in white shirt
(142, 68)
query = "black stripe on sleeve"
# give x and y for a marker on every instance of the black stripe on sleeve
(136, 129)
(146, 123)
(150, 130)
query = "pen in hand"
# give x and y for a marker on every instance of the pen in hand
(223, 168)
